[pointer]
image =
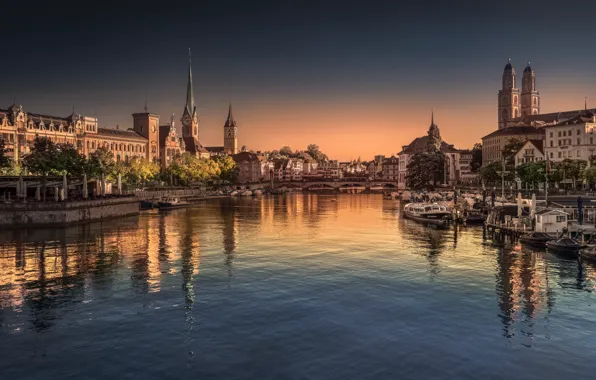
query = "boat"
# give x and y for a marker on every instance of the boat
(428, 213)
(146, 205)
(169, 203)
(536, 239)
(564, 245)
(474, 217)
(588, 253)
(390, 195)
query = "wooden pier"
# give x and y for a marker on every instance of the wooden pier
(503, 229)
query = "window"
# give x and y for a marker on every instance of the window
(561, 219)
(550, 134)
(559, 154)
(551, 143)
(578, 141)
(559, 133)
(591, 140)
(578, 154)
(577, 132)
(551, 154)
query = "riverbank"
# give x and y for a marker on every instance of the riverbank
(58, 214)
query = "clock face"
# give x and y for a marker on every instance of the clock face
(153, 128)
(227, 132)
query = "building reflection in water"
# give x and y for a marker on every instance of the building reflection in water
(43, 271)
(229, 235)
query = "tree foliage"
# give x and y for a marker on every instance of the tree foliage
(427, 168)
(100, 162)
(315, 152)
(5, 161)
(476, 157)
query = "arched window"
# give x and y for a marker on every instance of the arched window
(88, 144)
(93, 145)
(515, 112)
(535, 101)
(515, 100)
(118, 158)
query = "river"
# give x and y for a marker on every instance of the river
(302, 286)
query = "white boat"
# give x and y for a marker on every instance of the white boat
(428, 213)
(168, 203)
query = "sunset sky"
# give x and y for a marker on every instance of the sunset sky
(356, 77)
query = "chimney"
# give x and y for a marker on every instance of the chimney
(117, 127)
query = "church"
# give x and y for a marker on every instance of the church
(519, 114)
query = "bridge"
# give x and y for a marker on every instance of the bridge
(333, 185)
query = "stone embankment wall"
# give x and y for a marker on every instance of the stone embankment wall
(64, 213)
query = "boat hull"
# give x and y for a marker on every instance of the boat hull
(440, 223)
(533, 242)
(169, 206)
(565, 250)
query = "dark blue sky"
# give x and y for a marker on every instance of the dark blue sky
(276, 57)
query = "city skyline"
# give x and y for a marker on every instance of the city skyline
(355, 85)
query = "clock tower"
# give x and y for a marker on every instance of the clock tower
(146, 124)
(230, 134)
(190, 118)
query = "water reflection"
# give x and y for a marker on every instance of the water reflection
(329, 261)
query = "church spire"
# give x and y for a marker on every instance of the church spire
(190, 99)
(230, 122)
(432, 116)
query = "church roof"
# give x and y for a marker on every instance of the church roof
(419, 144)
(508, 67)
(391, 160)
(193, 145)
(516, 131)
(554, 117)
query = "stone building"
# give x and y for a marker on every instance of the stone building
(249, 167)
(170, 144)
(573, 138)
(19, 128)
(453, 166)
(531, 151)
(390, 169)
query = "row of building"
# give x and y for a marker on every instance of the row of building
(146, 138)
(255, 167)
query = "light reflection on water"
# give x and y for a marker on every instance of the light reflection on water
(299, 286)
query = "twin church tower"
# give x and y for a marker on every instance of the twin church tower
(514, 104)
(190, 120)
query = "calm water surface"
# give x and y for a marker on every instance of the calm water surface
(294, 287)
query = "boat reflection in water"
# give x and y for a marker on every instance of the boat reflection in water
(322, 279)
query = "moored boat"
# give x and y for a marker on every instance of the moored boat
(536, 239)
(169, 203)
(428, 213)
(564, 245)
(146, 205)
(588, 253)
(474, 217)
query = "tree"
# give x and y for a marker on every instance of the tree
(286, 151)
(416, 178)
(314, 151)
(100, 162)
(532, 173)
(228, 170)
(572, 169)
(490, 172)
(589, 175)
(188, 168)
(41, 160)
(476, 157)
(5, 161)
(68, 161)
(510, 149)
(140, 170)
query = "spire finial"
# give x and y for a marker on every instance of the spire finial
(585, 102)
(432, 116)
(145, 101)
(509, 59)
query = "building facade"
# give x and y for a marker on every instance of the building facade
(249, 167)
(574, 138)
(493, 143)
(531, 151)
(390, 171)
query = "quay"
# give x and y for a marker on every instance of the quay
(58, 214)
